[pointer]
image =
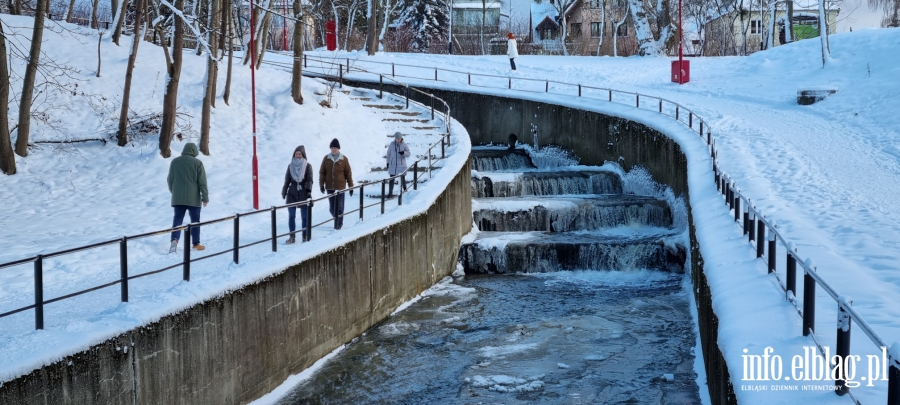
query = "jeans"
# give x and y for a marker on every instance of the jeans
(512, 63)
(292, 214)
(336, 207)
(402, 184)
(194, 212)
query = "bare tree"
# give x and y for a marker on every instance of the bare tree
(212, 69)
(118, 21)
(137, 37)
(561, 7)
(891, 9)
(623, 13)
(173, 73)
(372, 22)
(229, 34)
(31, 68)
(297, 69)
(823, 32)
(7, 159)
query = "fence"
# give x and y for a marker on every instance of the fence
(425, 164)
(755, 224)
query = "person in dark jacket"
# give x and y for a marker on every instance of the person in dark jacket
(335, 175)
(187, 183)
(396, 161)
(298, 182)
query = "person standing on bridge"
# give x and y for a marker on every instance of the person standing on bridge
(187, 183)
(335, 175)
(298, 183)
(397, 152)
(512, 50)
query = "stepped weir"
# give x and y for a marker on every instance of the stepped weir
(572, 294)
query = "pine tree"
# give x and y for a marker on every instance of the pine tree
(427, 19)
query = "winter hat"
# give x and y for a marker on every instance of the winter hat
(510, 35)
(302, 150)
(335, 144)
(398, 135)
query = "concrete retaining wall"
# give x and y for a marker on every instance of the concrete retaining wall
(241, 346)
(595, 138)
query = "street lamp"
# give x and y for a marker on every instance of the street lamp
(255, 163)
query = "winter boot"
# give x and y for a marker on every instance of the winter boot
(174, 246)
(198, 247)
(291, 240)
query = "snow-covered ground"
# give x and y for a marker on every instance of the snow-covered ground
(826, 172)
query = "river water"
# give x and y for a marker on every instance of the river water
(584, 337)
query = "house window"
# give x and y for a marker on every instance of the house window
(596, 3)
(595, 29)
(548, 33)
(576, 30)
(755, 26)
(622, 31)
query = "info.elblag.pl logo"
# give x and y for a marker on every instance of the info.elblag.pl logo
(813, 367)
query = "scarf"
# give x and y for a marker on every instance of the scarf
(335, 158)
(298, 171)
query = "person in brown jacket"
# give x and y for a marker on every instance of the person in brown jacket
(335, 175)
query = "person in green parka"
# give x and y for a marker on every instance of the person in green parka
(187, 183)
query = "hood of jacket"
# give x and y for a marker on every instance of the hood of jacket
(302, 150)
(190, 149)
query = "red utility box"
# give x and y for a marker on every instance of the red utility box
(681, 74)
(330, 38)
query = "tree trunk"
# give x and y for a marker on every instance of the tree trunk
(823, 32)
(34, 56)
(95, 5)
(70, 11)
(170, 99)
(297, 71)
(789, 23)
(99, 54)
(7, 159)
(372, 21)
(119, 21)
(211, 74)
(481, 27)
(229, 29)
(122, 133)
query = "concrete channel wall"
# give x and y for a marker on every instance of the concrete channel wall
(238, 347)
(595, 138)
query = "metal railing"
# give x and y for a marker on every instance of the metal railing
(755, 224)
(425, 164)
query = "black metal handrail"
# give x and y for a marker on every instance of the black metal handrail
(40, 301)
(724, 184)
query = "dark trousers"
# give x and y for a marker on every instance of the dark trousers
(194, 212)
(402, 184)
(336, 207)
(512, 63)
(292, 215)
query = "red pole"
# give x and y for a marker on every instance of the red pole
(284, 23)
(680, 38)
(253, 103)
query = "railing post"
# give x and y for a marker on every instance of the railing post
(435, 74)
(760, 238)
(809, 303)
(443, 150)
(380, 86)
(305, 65)
(382, 196)
(123, 267)
(737, 208)
(186, 266)
(348, 65)
(842, 346)
(432, 106)
(751, 226)
(610, 95)
(393, 72)
(400, 193)
(637, 100)
(274, 231)
(579, 90)
(416, 175)
(470, 79)
(701, 131)
(708, 136)
(309, 221)
(510, 83)
(660, 106)
(691, 120)
(676, 112)
(546, 86)
(791, 271)
(407, 96)
(361, 187)
(235, 253)
(772, 249)
(39, 292)
(894, 378)
(747, 229)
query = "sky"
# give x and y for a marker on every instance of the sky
(826, 173)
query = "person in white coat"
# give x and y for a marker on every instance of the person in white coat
(396, 161)
(512, 50)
